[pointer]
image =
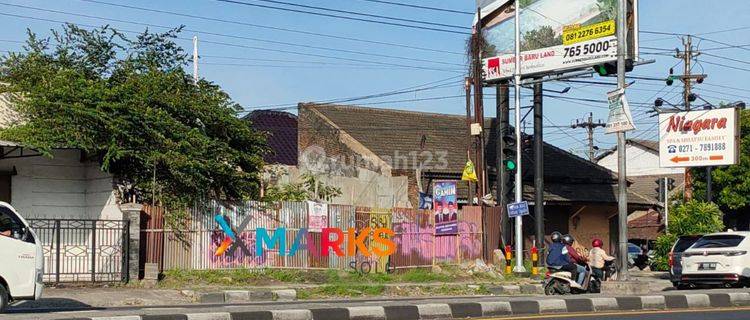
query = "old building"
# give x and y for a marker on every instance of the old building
(580, 196)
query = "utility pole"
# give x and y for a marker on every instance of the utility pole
(539, 167)
(589, 125)
(622, 199)
(503, 116)
(519, 176)
(195, 59)
(467, 86)
(687, 79)
(479, 109)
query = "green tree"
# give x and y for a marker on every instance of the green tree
(129, 104)
(309, 188)
(731, 184)
(691, 218)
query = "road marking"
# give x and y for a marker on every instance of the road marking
(627, 313)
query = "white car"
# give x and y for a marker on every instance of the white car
(718, 259)
(22, 259)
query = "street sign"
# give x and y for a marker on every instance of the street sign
(699, 138)
(619, 119)
(518, 209)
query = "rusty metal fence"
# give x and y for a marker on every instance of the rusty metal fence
(413, 234)
(78, 250)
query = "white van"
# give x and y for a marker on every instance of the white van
(22, 259)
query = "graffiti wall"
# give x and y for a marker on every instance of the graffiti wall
(260, 235)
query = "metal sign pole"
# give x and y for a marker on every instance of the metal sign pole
(622, 199)
(519, 183)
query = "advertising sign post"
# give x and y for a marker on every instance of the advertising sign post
(699, 138)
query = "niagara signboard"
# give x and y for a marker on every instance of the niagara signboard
(556, 35)
(699, 138)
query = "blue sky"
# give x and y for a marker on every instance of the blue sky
(282, 78)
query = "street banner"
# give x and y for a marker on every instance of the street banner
(445, 208)
(317, 216)
(699, 138)
(556, 35)
(619, 119)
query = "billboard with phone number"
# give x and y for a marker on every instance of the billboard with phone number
(556, 35)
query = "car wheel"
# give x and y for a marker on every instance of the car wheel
(676, 284)
(3, 298)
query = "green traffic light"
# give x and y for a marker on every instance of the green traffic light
(601, 70)
(510, 165)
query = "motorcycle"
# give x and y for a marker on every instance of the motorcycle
(559, 282)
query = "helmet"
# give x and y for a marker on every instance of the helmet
(597, 243)
(568, 239)
(556, 236)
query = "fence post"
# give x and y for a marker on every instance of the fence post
(93, 251)
(57, 251)
(132, 213)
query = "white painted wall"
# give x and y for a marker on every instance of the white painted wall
(639, 162)
(60, 187)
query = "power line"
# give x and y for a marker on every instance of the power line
(251, 47)
(364, 14)
(344, 17)
(325, 35)
(421, 7)
(724, 65)
(230, 35)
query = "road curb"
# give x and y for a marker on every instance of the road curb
(464, 310)
(229, 296)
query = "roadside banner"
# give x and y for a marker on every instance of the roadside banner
(317, 216)
(699, 138)
(469, 174)
(445, 208)
(620, 119)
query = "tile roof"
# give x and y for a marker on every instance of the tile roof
(281, 130)
(390, 133)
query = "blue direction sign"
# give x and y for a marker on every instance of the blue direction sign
(518, 209)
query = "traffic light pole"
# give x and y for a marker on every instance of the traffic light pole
(519, 182)
(622, 199)
(538, 167)
(503, 115)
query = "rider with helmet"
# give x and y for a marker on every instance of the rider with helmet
(563, 257)
(597, 258)
(577, 261)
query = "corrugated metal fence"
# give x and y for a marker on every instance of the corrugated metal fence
(414, 236)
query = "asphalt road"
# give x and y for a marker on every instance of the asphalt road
(718, 314)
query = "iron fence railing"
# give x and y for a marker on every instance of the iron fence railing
(77, 250)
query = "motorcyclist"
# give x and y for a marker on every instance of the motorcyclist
(577, 262)
(598, 257)
(558, 257)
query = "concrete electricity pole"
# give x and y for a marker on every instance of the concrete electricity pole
(622, 199)
(687, 80)
(589, 125)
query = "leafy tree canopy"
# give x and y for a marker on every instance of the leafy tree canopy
(731, 184)
(129, 104)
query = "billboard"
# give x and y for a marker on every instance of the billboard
(699, 138)
(556, 35)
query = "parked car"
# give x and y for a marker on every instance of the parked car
(675, 257)
(22, 259)
(717, 259)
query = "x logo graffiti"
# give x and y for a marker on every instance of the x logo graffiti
(231, 237)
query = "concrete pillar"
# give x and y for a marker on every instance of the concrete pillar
(132, 213)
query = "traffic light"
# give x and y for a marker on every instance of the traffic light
(509, 152)
(509, 164)
(670, 80)
(670, 184)
(610, 68)
(661, 189)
